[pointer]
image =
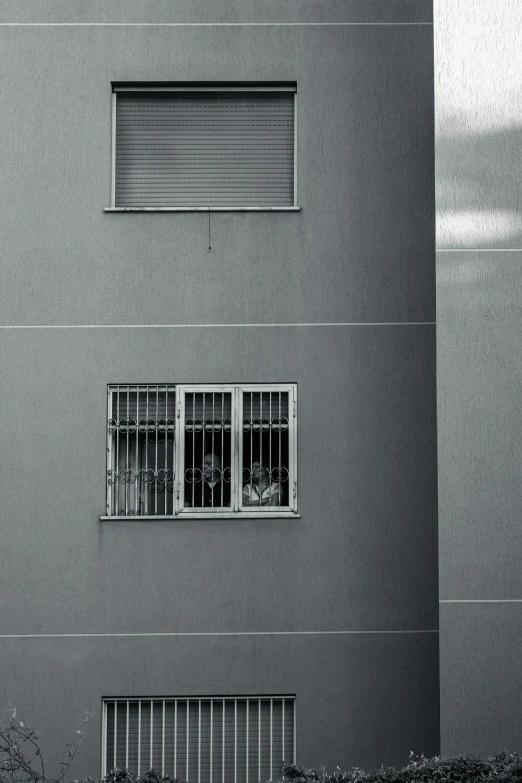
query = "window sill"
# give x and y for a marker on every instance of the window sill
(202, 209)
(189, 515)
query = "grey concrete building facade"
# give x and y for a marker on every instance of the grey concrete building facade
(339, 606)
(479, 241)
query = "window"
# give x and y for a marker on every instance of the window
(203, 147)
(201, 450)
(200, 740)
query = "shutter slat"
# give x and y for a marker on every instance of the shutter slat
(194, 149)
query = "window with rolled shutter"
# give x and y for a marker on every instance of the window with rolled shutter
(201, 740)
(204, 148)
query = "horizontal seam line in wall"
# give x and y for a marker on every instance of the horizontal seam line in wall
(205, 633)
(214, 24)
(479, 250)
(480, 601)
(210, 326)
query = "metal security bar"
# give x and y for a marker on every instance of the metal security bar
(201, 740)
(141, 450)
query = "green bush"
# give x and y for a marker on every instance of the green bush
(119, 775)
(21, 762)
(502, 768)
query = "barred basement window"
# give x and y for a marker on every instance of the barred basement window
(202, 450)
(201, 740)
(203, 146)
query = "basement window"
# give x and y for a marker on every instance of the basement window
(203, 147)
(200, 740)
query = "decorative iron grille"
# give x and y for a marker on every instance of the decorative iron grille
(141, 448)
(208, 456)
(201, 450)
(265, 451)
(201, 740)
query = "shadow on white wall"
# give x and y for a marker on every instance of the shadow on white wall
(478, 117)
(478, 188)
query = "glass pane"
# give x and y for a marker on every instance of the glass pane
(208, 449)
(265, 449)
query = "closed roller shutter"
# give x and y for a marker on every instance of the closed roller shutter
(204, 149)
(231, 740)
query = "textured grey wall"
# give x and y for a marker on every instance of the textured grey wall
(356, 695)
(363, 555)
(220, 11)
(360, 251)
(478, 166)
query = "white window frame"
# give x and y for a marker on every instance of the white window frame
(236, 510)
(180, 773)
(207, 87)
(111, 456)
(291, 508)
(181, 392)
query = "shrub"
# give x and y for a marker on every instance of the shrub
(120, 775)
(21, 762)
(21, 759)
(502, 768)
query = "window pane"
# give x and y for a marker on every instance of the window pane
(141, 474)
(208, 449)
(265, 449)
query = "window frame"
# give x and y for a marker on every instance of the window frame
(181, 391)
(197, 87)
(291, 507)
(111, 454)
(236, 510)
